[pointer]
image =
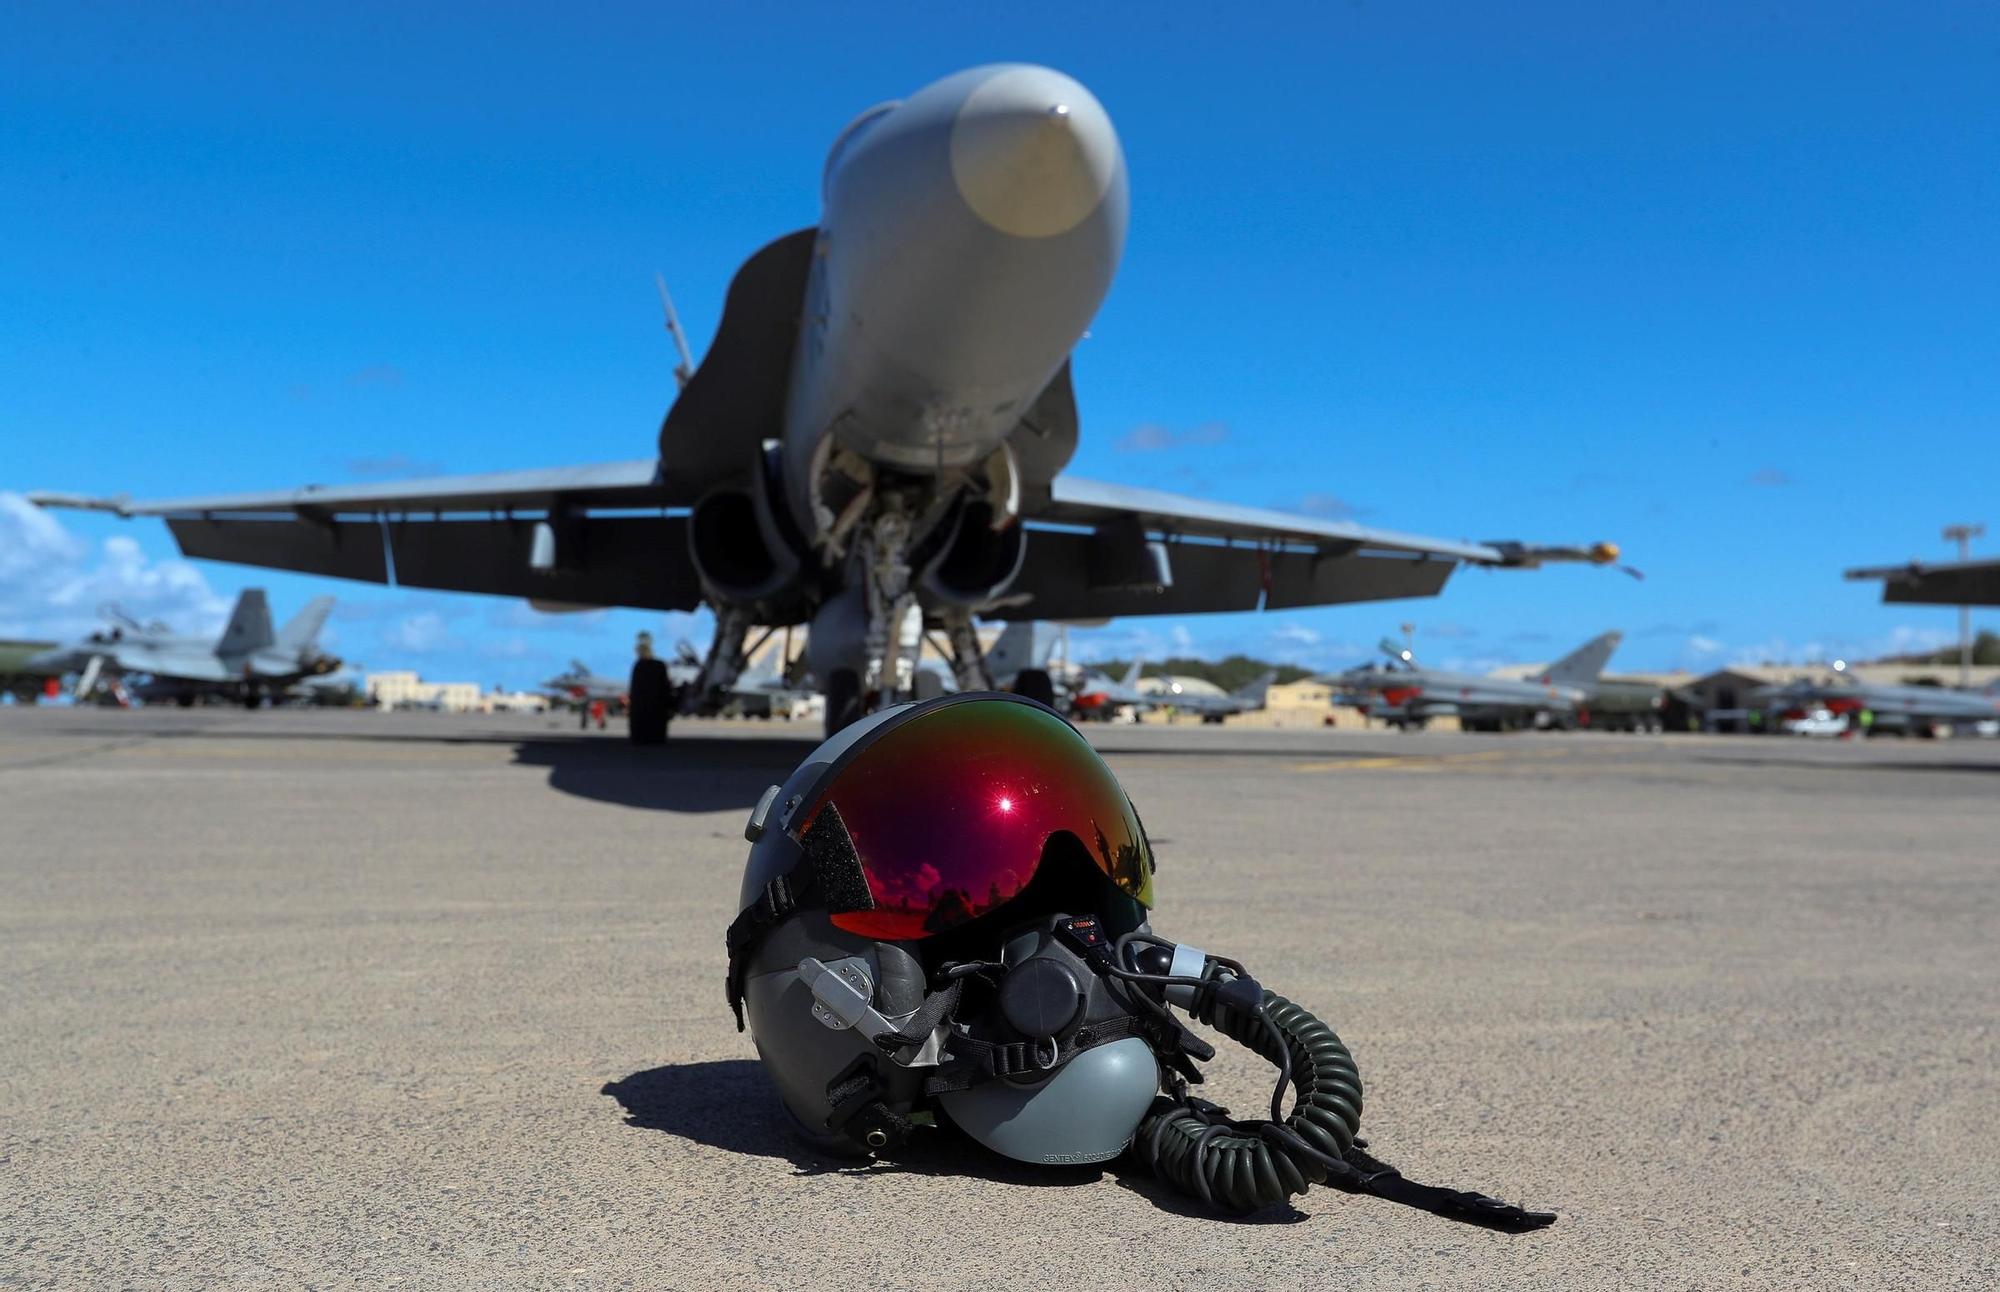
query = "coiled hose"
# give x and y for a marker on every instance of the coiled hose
(1244, 1166)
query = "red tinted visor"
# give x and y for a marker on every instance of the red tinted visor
(949, 814)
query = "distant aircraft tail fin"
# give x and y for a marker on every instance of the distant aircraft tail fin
(1253, 693)
(1581, 666)
(765, 668)
(1023, 643)
(301, 634)
(1131, 678)
(249, 627)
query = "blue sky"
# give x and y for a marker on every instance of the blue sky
(1718, 285)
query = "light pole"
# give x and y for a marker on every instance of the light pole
(1963, 536)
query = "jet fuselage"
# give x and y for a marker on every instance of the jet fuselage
(1425, 692)
(969, 235)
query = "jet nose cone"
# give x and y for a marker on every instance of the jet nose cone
(1033, 152)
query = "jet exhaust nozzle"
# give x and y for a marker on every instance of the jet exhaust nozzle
(741, 550)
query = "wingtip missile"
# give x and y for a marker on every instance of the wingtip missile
(117, 504)
(1524, 556)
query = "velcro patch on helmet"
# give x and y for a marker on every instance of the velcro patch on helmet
(835, 863)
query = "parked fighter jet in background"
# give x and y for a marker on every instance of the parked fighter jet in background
(1099, 695)
(582, 687)
(773, 685)
(1248, 698)
(1898, 708)
(875, 441)
(1405, 693)
(1031, 658)
(17, 678)
(587, 692)
(248, 662)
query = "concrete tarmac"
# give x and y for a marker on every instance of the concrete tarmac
(359, 1000)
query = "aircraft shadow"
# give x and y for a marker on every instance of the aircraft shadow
(682, 775)
(1835, 764)
(687, 774)
(1270, 753)
(730, 1104)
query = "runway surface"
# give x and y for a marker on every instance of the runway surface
(354, 1000)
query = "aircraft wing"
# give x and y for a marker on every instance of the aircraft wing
(1103, 549)
(1947, 583)
(615, 534)
(593, 535)
(181, 666)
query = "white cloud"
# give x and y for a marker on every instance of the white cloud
(1700, 645)
(421, 634)
(511, 647)
(1294, 635)
(1127, 639)
(520, 616)
(52, 582)
(1151, 437)
(1329, 506)
(1906, 640)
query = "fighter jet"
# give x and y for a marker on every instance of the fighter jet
(875, 442)
(1248, 698)
(247, 663)
(770, 686)
(1902, 707)
(578, 685)
(584, 690)
(17, 679)
(1409, 695)
(1032, 658)
(1099, 695)
(1945, 583)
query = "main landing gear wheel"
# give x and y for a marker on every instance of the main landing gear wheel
(843, 699)
(651, 705)
(1036, 684)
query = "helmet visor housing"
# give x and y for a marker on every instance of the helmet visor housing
(950, 813)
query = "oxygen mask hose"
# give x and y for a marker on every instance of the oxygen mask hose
(1247, 1165)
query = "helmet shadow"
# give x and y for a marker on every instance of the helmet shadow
(731, 1105)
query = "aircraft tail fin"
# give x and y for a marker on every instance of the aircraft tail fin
(1253, 693)
(1131, 678)
(249, 627)
(763, 669)
(1581, 666)
(1023, 643)
(300, 635)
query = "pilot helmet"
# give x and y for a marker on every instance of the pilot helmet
(923, 901)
